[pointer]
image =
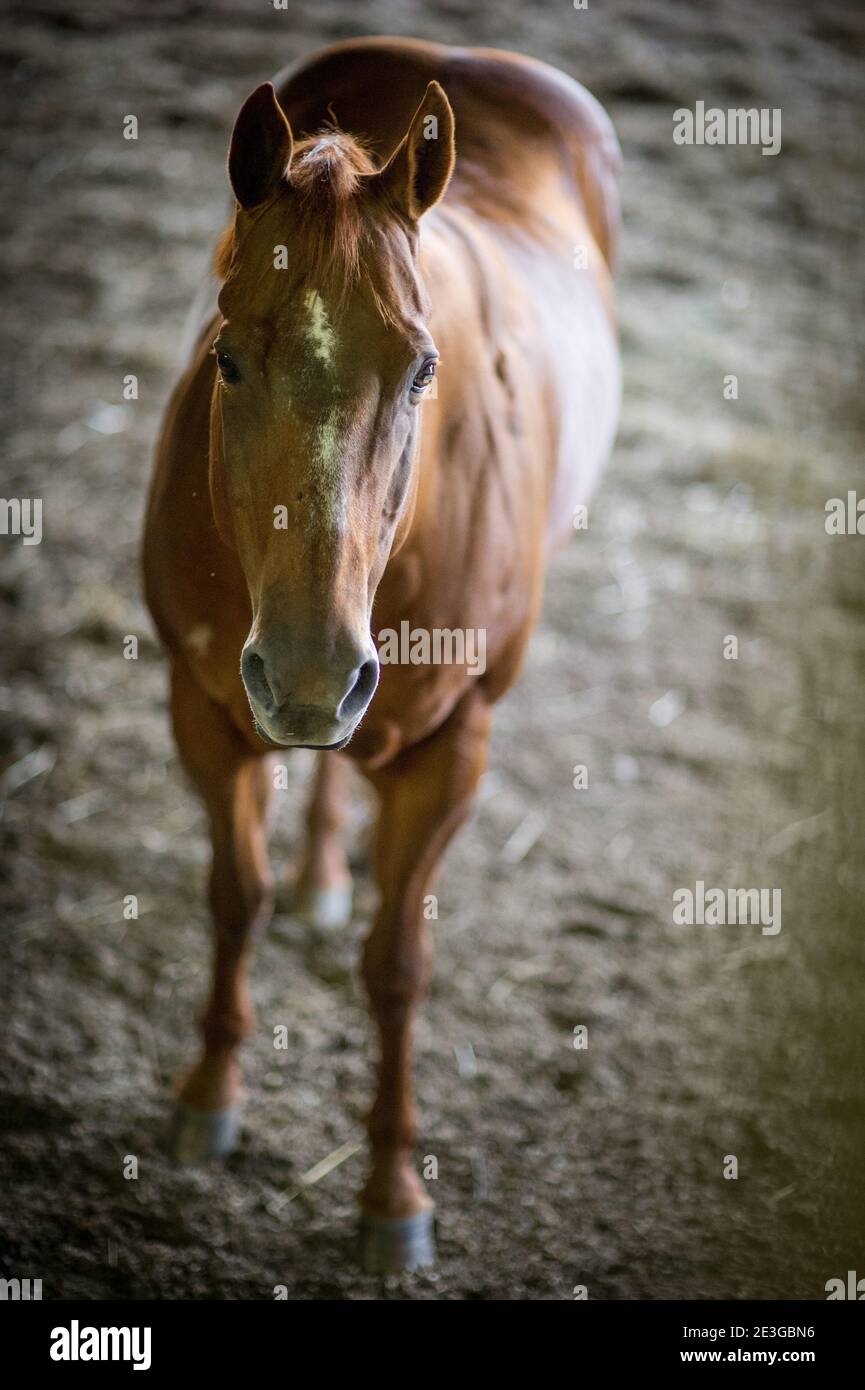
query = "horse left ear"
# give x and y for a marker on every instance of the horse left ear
(417, 173)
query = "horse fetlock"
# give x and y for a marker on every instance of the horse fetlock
(393, 1188)
(214, 1084)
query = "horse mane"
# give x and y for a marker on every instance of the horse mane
(324, 214)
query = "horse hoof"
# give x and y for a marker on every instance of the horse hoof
(198, 1135)
(326, 908)
(391, 1244)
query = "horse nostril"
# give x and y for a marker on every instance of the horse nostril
(254, 677)
(361, 692)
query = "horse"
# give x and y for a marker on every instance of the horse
(406, 387)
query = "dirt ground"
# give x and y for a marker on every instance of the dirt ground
(556, 1167)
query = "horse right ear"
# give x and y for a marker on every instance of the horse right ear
(261, 146)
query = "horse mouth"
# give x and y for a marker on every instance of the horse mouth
(318, 747)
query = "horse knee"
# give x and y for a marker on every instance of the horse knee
(239, 912)
(396, 973)
(225, 1028)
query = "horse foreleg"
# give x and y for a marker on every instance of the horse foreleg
(233, 782)
(426, 794)
(322, 890)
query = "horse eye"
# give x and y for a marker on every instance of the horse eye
(424, 377)
(227, 367)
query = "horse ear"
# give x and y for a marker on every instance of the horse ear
(418, 171)
(261, 146)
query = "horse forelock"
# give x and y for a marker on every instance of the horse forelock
(331, 229)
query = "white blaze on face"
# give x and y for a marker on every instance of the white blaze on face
(327, 446)
(326, 441)
(321, 336)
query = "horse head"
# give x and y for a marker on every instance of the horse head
(323, 356)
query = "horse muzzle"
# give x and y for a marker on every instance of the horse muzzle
(298, 705)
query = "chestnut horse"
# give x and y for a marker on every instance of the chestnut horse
(396, 203)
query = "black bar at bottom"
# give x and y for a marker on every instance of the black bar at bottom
(228, 1339)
